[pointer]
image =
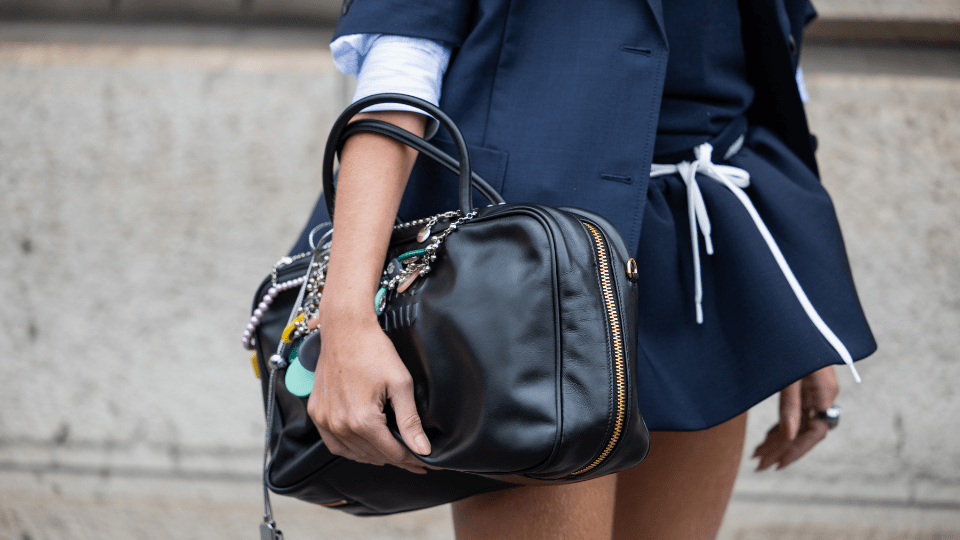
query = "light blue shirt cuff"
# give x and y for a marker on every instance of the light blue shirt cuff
(396, 64)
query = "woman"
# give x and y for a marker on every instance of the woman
(607, 106)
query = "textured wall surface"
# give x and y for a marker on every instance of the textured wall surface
(145, 194)
(890, 9)
(328, 9)
(146, 189)
(290, 10)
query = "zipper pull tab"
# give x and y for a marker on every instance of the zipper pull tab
(268, 531)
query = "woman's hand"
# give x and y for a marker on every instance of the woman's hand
(798, 431)
(357, 375)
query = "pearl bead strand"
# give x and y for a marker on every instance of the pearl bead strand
(265, 302)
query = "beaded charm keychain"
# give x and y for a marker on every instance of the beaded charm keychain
(398, 275)
(316, 273)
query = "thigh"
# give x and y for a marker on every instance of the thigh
(582, 511)
(682, 489)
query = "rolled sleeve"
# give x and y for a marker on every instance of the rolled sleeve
(394, 64)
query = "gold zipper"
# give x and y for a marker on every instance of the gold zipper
(620, 369)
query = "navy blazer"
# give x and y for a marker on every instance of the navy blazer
(559, 99)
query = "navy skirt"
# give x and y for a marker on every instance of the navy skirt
(755, 338)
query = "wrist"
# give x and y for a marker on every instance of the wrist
(353, 312)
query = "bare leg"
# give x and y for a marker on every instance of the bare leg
(682, 489)
(582, 511)
(679, 492)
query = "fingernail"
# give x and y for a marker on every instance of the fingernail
(423, 445)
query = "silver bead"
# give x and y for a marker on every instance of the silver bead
(246, 334)
(272, 291)
(277, 361)
(267, 300)
(262, 306)
(258, 312)
(251, 327)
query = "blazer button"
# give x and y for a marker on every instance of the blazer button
(793, 44)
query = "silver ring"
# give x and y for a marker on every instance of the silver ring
(831, 416)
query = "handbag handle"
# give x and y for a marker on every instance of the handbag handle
(339, 132)
(422, 146)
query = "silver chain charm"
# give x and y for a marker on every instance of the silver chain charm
(420, 263)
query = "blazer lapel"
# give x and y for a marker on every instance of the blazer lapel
(656, 7)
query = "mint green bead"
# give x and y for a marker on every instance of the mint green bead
(298, 380)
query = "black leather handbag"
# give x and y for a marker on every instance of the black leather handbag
(518, 323)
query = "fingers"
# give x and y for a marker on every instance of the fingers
(815, 433)
(798, 431)
(365, 438)
(779, 438)
(820, 389)
(400, 394)
(350, 394)
(773, 448)
(790, 411)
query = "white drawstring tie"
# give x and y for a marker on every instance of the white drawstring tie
(736, 179)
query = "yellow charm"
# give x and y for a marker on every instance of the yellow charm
(290, 328)
(256, 367)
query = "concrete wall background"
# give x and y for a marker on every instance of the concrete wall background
(890, 9)
(149, 179)
(328, 10)
(137, 185)
(305, 11)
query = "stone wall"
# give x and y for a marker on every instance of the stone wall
(327, 10)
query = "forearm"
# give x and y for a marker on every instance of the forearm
(373, 174)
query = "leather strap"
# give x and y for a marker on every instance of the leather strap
(333, 143)
(420, 145)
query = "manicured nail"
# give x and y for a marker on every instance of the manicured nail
(423, 445)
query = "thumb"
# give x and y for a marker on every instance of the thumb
(408, 421)
(790, 411)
